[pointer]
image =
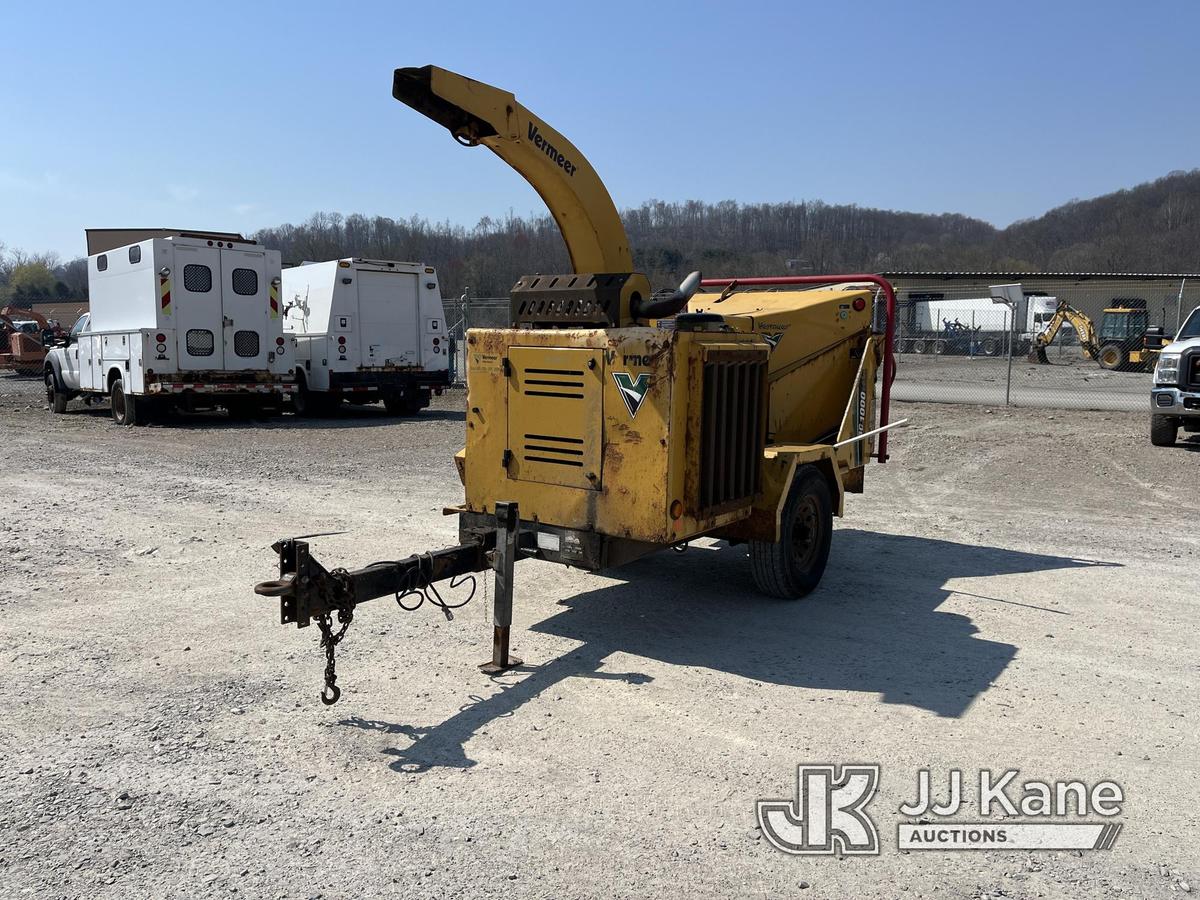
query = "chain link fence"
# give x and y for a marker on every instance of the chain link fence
(471, 312)
(954, 345)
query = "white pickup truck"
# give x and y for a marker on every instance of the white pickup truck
(188, 320)
(1175, 397)
(366, 330)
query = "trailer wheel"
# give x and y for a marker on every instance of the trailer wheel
(1163, 431)
(1112, 356)
(126, 410)
(56, 398)
(939, 347)
(918, 346)
(792, 567)
(990, 347)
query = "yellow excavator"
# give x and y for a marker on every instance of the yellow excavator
(1120, 342)
(611, 421)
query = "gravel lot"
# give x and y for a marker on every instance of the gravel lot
(1014, 590)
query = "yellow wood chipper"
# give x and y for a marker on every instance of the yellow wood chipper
(610, 421)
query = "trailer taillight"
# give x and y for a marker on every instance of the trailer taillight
(860, 304)
(436, 342)
(341, 339)
(161, 338)
(279, 341)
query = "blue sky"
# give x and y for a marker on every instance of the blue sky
(233, 116)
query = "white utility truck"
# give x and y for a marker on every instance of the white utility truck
(366, 330)
(188, 319)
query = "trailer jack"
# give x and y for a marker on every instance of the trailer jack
(307, 591)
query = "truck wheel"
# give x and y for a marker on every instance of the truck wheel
(792, 566)
(125, 408)
(1163, 431)
(308, 404)
(56, 398)
(939, 347)
(918, 346)
(1112, 356)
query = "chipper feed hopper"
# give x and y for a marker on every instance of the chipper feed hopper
(610, 421)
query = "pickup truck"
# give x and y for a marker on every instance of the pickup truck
(1175, 396)
(190, 320)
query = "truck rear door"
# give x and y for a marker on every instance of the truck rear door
(389, 321)
(247, 309)
(196, 296)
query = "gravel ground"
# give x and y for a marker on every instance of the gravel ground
(1011, 592)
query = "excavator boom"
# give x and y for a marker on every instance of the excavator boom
(477, 113)
(1084, 328)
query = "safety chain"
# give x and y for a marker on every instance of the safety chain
(331, 692)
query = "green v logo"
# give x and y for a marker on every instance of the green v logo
(772, 339)
(632, 391)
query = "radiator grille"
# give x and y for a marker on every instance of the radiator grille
(1192, 369)
(731, 430)
(199, 342)
(245, 343)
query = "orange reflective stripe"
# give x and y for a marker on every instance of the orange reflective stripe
(164, 295)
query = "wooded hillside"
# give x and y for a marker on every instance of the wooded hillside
(1154, 227)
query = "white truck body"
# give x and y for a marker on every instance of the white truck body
(1031, 316)
(367, 329)
(180, 315)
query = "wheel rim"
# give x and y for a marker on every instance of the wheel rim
(806, 532)
(1109, 357)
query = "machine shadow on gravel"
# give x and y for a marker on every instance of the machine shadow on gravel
(875, 629)
(350, 417)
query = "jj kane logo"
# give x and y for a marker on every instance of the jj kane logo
(829, 814)
(632, 390)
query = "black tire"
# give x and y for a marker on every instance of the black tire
(1163, 431)
(407, 404)
(56, 398)
(311, 404)
(989, 347)
(918, 346)
(126, 409)
(792, 567)
(1112, 356)
(939, 347)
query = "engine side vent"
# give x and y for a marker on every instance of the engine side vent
(555, 416)
(732, 428)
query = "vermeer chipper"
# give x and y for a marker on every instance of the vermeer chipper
(610, 421)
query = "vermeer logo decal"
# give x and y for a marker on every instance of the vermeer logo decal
(772, 339)
(550, 150)
(632, 390)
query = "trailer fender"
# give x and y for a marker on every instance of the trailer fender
(781, 463)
